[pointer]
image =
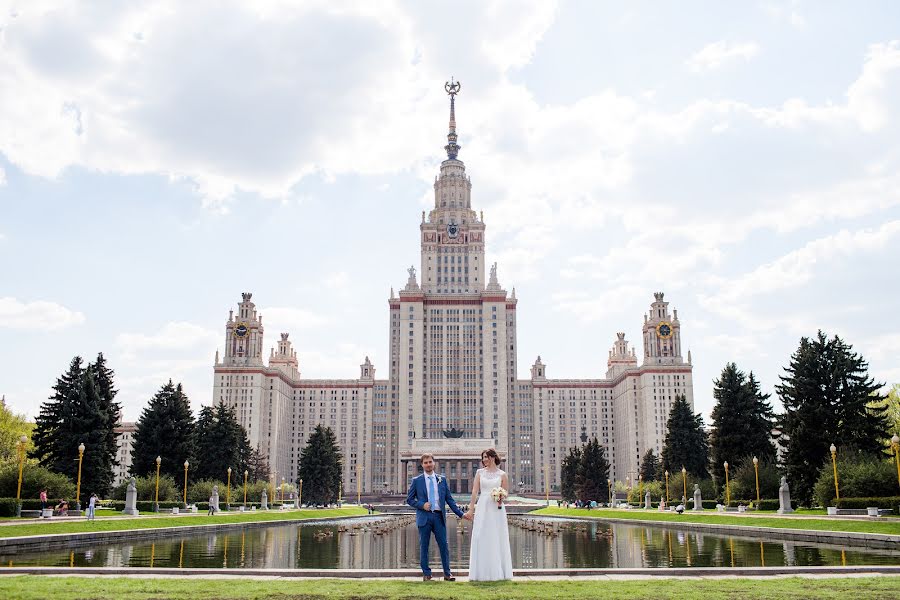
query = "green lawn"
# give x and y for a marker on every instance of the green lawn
(96, 588)
(891, 527)
(156, 522)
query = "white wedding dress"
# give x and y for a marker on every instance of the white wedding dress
(489, 556)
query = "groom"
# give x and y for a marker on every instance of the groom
(428, 494)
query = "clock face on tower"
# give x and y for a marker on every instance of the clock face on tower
(240, 330)
(664, 330)
(453, 230)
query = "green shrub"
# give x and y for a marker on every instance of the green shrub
(743, 480)
(7, 507)
(763, 504)
(859, 476)
(146, 489)
(676, 488)
(34, 479)
(200, 491)
(892, 502)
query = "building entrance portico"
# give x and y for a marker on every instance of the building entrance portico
(456, 459)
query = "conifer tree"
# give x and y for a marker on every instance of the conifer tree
(650, 469)
(742, 421)
(827, 395)
(569, 474)
(50, 445)
(593, 471)
(686, 443)
(320, 467)
(257, 465)
(76, 414)
(165, 429)
(220, 442)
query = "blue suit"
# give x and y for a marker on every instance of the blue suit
(433, 521)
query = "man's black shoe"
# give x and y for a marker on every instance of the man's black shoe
(426, 578)
(449, 578)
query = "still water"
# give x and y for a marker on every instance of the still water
(388, 543)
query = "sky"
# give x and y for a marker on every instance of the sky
(159, 159)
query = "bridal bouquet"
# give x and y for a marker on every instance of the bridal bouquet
(498, 494)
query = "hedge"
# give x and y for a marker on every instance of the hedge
(892, 502)
(7, 507)
(764, 504)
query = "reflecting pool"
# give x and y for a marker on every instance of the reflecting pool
(390, 543)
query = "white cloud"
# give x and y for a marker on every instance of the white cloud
(290, 319)
(799, 266)
(718, 54)
(869, 98)
(2, 177)
(173, 337)
(38, 315)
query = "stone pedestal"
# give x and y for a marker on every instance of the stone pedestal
(264, 501)
(784, 498)
(698, 499)
(131, 498)
(647, 500)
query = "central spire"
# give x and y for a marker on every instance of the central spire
(452, 148)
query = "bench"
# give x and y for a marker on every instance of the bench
(881, 512)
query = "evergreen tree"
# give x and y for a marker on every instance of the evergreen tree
(593, 471)
(826, 393)
(742, 421)
(51, 444)
(220, 442)
(686, 441)
(75, 415)
(320, 467)
(258, 466)
(569, 474)
(165, 429)
(650, 466)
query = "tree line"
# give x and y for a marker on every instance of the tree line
(828, 398)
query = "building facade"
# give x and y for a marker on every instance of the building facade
(452, 387)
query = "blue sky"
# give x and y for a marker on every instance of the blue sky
(158, 159)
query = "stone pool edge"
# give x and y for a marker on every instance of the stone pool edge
(869, 540)
(613, 573)
(55, 541)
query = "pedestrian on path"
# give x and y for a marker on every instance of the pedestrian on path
(92, 505)
(43, 499)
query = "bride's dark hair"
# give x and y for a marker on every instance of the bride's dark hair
(490, 453)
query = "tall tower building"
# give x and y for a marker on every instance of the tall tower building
(452, 388)
(453, 364)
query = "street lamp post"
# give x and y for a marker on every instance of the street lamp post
(640, 488)
(837, 491)
(156, 501)
(228, 491)
(756, 469)
(609, 491)
(186, 465)
(300, 495)
(895, 442)
(546, 486)
(684, 481)
(20, 449)
(667, 487)
(78, 485)
(245, 487)
(282, 490)
(727, 488)
(358, 484)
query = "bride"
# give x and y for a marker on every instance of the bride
(489, 556)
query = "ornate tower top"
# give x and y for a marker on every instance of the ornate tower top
(452, 148)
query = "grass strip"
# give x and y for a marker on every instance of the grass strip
(174, 521)
(29, 587)
(891, 527)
